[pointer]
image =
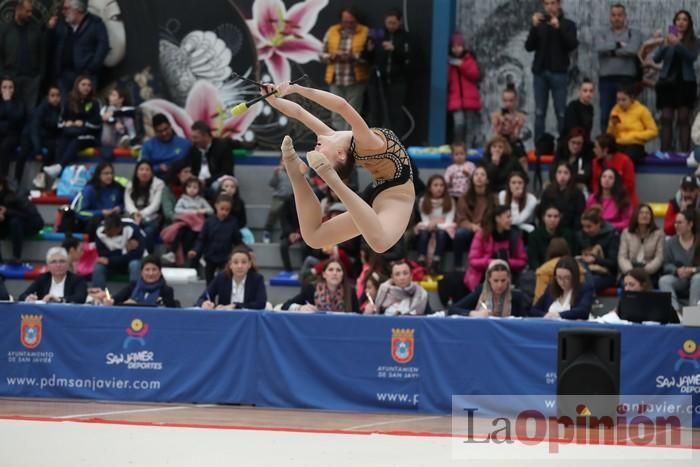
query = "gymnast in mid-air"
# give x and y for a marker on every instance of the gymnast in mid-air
(381, 215)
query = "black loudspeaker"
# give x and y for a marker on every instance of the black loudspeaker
(588, 364)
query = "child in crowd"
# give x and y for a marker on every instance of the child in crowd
(613, 200)
(459, 172)
(190, 210)
(522, 203)
(463, 97)
(221, 232)
(228, 184)
(120, 246)
(499, 162)
(437, 212)
(192, 201)
(282, 190)
(118, 127)
(579, 112)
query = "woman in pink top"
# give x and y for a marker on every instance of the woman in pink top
(613, 200)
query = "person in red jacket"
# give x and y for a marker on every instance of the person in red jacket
(686, 198)
(463, 97)
(607, 157)
(496, 240)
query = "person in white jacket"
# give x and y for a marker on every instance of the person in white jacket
(142, 200)
(522, 204)
(437, 223)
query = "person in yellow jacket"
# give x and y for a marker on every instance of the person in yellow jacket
(632, 125)
(346, 73)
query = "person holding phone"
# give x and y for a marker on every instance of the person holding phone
(676, 90)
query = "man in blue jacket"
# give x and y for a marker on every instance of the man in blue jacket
(120, 246)
(81, 44)
(165, 148)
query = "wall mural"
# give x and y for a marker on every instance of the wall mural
(176, 56)
(496, 30)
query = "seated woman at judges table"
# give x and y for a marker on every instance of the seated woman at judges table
(566, 297)
(399, 295)
(682, 260)
(149, 290)
(58, 285)
(494, 297)
(331, 292)
(642, 243)
(238, 286)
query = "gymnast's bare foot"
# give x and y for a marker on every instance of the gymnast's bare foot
(290, 157)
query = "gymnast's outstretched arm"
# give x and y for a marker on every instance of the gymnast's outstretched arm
(297, 112)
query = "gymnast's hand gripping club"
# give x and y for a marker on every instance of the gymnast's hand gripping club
(241, 108)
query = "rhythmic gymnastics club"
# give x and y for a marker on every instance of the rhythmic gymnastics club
(244, 106)
(247, 80)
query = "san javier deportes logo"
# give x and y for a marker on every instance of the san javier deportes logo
(688, 362)
(31, 332)
(140, 359)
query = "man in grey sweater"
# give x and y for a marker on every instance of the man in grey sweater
(617, 47)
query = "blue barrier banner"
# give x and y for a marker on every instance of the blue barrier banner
(322, 360)
(127, 353)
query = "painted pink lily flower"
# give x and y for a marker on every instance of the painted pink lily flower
(203, 104)
(282, 35)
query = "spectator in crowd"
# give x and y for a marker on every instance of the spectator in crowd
(471, 209)
(500, 162)
(650, 69)
(463, 97)
(190, 211)
(509, 121)
(22, 52)
(494, 297)
(58, 284)
(74, 248)
(399, 295)
(165, 148)
(617, 48)
(120, 247)
(608, 157)
(346, 72)
(437, 213)
(210, 157)
(613, 200)
(676, 90)
(496, 240)
(290, 233)
(281, 191)
(239, 286)
(599, 244)
(642, 243)
(11, 124)
(390, 55)
(81, 44)
(118, 120)
(373, 263)
(142, 200)
(566, 297)
(579, 112)
(19, 219)
(631, 124)
(696, 137)
(178, 174)
(687, 197)
(220, 234)
(228, 184)
(81, 123)
(101, 197)
(458, 174)
(558, 248)
(550, 228)
(564, 193)
(330, 292)
(149, 290)
(522, 203)
(681, 260)
(552, 37)
(578, 154)
(44, 133)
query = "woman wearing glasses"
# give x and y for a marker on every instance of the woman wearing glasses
(58, 285)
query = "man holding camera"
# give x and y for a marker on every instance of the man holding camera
(552, 37)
